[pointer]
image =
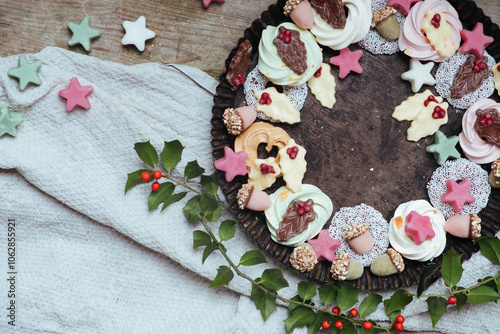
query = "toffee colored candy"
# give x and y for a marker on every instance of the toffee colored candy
(355, 270)
(302, 15)
(252, 198)
(464, 226)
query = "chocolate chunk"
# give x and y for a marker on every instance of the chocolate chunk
(291, 49)
(470, 76)
(239, 65)
(332, 11)
(487, 125)
(293, 222)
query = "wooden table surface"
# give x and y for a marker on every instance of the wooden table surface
(186, 33)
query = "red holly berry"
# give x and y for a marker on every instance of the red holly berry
(292, 152)
(353, 312)
(430, 99)
(400, 319)
(336, 310)
(367, 325)
(155, 186)
(317, 74)
(452, 300)
(399, 327)
(145, 176)
(436, 21)
(438, 112)
(325, 324)
(157, 174)
(265, 98)
(339, 324)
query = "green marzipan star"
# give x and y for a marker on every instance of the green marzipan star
(9, 120)
(26, 72)
(443, 148)
(83, 33)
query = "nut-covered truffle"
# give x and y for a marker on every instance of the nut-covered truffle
(340, 267)
(303, 258)
(232, 121)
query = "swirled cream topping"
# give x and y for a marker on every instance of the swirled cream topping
(475, 148)
(401, 242)
(273, 67)
(357, 25)
(411, 40)
(281, 200)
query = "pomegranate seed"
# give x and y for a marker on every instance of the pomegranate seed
(430, 99)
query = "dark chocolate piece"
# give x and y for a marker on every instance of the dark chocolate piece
(488, 125)
(294, 223)
(239, 65)
(469, 79)
(293, 53)
(332, 11)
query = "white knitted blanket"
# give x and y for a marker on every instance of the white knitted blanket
(90, 259)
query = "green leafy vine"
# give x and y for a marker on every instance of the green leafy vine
(204, 207)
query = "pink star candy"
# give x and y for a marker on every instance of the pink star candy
(475, 40)
(347, 61)
(207, 3)
(458, 194)
(232, 163)
(402, 5)
(76, 95)
(324, 246)
(419, 227)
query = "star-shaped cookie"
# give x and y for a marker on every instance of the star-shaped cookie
(475, 41)
(458, 194)
(9, 120)
(76, 95)
(232, 163)
(26, 72)
(347, 61)
(83, 33)
(136, 33)
(419, 75)
(324, 246)
(443, 147)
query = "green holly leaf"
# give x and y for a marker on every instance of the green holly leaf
(348, 328)
(264, 302)
(370, 331)
(224, 276)
(171, 154)
(173, 199)
(397, 302)
(273, 279)
(437, 307)
(210, 183)
(490, 282)
(201, 238)
(301, 316)
(193, 170)
(306, 290)
(252, 257)
(292, 306)
(211, 247)
(451, 268)
(428, 272)
(192, 209)
(490, 247)
(315, 326)
(162, 195)
(461, 300)
(498, 283)
(147, 153)
(210, 207)
(347, 296)
(482, 294)
(369, 305)
(227, 229)
(328, 293)
(134, 179)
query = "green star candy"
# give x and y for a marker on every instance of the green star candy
(26, 72)
(443, 148)
(83, 33)
(9, 120)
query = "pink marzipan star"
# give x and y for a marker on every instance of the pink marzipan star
(419, 227)
(76, 95)
(347, 61)
(458, 194)
(402, 5)
(324, 246)
(232, 163)
(207, 3)
(475, 40)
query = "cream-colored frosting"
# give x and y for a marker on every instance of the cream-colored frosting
(476, 149)
(274, 68)
(414, 43)
(357, 25)
(283, 197)
(401, 242)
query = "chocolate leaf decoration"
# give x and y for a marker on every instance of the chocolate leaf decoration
(489, 133)
(294, 54)
(239, 64)
(467, 80)
(292, 223)
(332, 11)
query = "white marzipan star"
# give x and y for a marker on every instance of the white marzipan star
(419, 75)
(136, 33)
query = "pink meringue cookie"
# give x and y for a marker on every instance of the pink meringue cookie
(411, 40)
(476, 149)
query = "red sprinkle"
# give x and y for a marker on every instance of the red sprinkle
(430, 99)
(438, 113)
(265, 98)
(436, 19)
(292, 152)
